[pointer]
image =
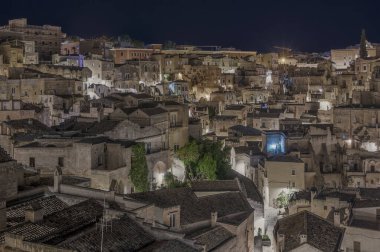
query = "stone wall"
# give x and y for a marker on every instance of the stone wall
(16, 243)
(8, 179)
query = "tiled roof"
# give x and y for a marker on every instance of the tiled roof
(140, 96)
(366, 203)
(248, 185)
(249, 150)
(226, 203)
(236, 219)
(169, 246)
(370, 193)
(216, 185)
(31, 125)
(194, 209)
(50, 204)
(301, 195)
(125, 235)
(54, 226)
(191, 210)
(342, 196)
(235, 107)
(320, 233)
(246, 130)
(224, 117)
(211, 238)
(103, 126)
(284, 158)
(153, 111)
(94, 140)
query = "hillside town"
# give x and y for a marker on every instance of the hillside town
(111, 144)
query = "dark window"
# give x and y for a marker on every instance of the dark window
(378, 213)
(172, 219)
(356, 246)
(176, 147)
(100, 160)
(60, 161)
(32, 162)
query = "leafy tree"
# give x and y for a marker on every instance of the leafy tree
(189, 153)
(139, 168)
(363, 46)
(282, 200)
(171, 181)
(204, 160)
(206, 167)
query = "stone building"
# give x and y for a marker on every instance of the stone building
(305, 231)
(220, 227)
(8, 178)
(121, 55)
(221, 124)
(47, 38)
(18, 53)
(99, 159)
(102, 71)
(281, 174)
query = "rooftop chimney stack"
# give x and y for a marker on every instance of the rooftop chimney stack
(337, 218)
(34, 213)
(303, 238)
(214, 218)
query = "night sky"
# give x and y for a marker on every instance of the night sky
(245, 24)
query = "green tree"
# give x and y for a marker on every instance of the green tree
(206, 167)
(139, 168)
(363, 46)
(204, 160)
(189, 153)
(282, 200)
(171, 181)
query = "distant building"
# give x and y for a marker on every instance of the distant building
(47, 38)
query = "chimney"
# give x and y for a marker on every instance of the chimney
(57, 179)
(313, 193)
(358, 193)
(337, 218)
(100, 113)
(3, 214)
(34, 213)
(214, 218)
(303, 238)
(281, 241)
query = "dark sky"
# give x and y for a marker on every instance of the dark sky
(246, 24)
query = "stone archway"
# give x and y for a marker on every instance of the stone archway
(159, 171)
